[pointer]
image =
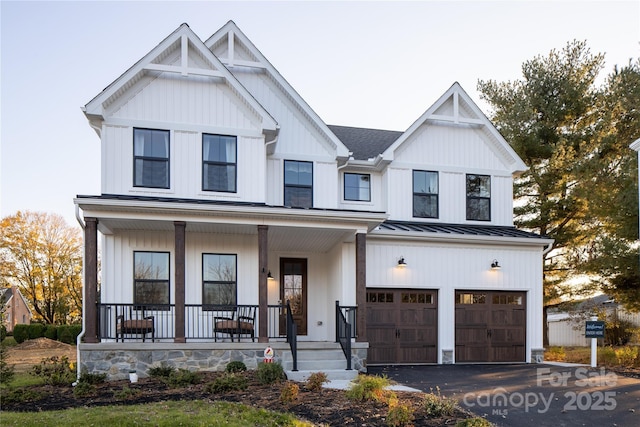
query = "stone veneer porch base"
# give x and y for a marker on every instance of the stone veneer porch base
(117, 360)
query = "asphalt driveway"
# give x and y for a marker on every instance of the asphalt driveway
(532, 394)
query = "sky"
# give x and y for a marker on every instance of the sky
(365, 64)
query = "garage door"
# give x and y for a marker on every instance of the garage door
(490, 326)
(402, 326)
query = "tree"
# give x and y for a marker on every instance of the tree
(42, 255)
(614, 201)
(550, 118)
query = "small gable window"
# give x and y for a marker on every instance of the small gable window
(219, 163)
(151, 158)
(425, 194)
(357, 187)
(298, 184)
(219, 286)
(479, 197)
(151, 278)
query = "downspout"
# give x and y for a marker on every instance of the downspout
(82, 332)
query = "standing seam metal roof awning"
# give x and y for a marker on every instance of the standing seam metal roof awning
(459, 229)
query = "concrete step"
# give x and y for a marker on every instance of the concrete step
(332, 374)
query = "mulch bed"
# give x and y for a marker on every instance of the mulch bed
(325, 407)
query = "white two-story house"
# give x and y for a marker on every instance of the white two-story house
(229, 211)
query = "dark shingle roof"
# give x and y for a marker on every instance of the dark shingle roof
(365, 143)
(459, 229)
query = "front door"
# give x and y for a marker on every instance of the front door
(293, 288)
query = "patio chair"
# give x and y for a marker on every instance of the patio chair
(135, 324)
(241, 322)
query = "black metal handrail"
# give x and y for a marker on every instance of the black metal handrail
(343, 334)
(292, 336)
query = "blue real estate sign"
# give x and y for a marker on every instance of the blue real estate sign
(594, 329)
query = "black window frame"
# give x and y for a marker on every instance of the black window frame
(426, 195)
(215, 163)
(138, 305)
(156, 159)
(477, 198)
(206, 305)
(344, 194)
(297, 186)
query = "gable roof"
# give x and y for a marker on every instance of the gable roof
(365, 144)
(184, 40)
(240, 51)
(456, 107)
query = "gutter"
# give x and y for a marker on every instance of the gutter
(82, 332)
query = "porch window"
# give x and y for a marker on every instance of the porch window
(151, 158)
(425, 194)
(357, 187)
(298, 184)
(219, 163)
(151, 278)
(219, 286)
(479, 197)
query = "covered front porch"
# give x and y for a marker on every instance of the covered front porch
(267, 244)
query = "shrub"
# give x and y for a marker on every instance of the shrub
(437, 405)
(399, 415)
(474, 422)
(316, 380)
(227, 382)
(21, 333)
(161, 371)
(51, 332)
(289, 392)
(17, 395)
(125, 393)
(182, 378)
(3, 332)
(608, 356)
(555, 354)
(235, 366)
(269, 373)
(626, 355)
(83, 389)
(368, 387)
(36, 330)
(88, 378)
(6, 371)
(68, 334)
(54, 371)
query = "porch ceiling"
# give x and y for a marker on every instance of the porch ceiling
(280, 238)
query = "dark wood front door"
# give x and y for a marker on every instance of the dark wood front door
(293, 288)
(402, 326)
(490, 326)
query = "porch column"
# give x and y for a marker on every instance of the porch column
(179, 280)
(263, 265)
(91, 280)
(361, 286)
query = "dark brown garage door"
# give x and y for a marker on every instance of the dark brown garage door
(490, 326)
(402, 326)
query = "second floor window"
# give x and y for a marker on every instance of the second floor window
(425, 194)
(151, 278)
(219, 163)
(479, 197)
(298, 184)
(151, 158)
(357, 187)
(219, 279)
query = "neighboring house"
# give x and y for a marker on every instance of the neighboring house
(567, 327)
(15, 309)
(224, 194)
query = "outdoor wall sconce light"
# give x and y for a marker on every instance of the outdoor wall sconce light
(495, 265)
(401, 262)
(269, 276)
